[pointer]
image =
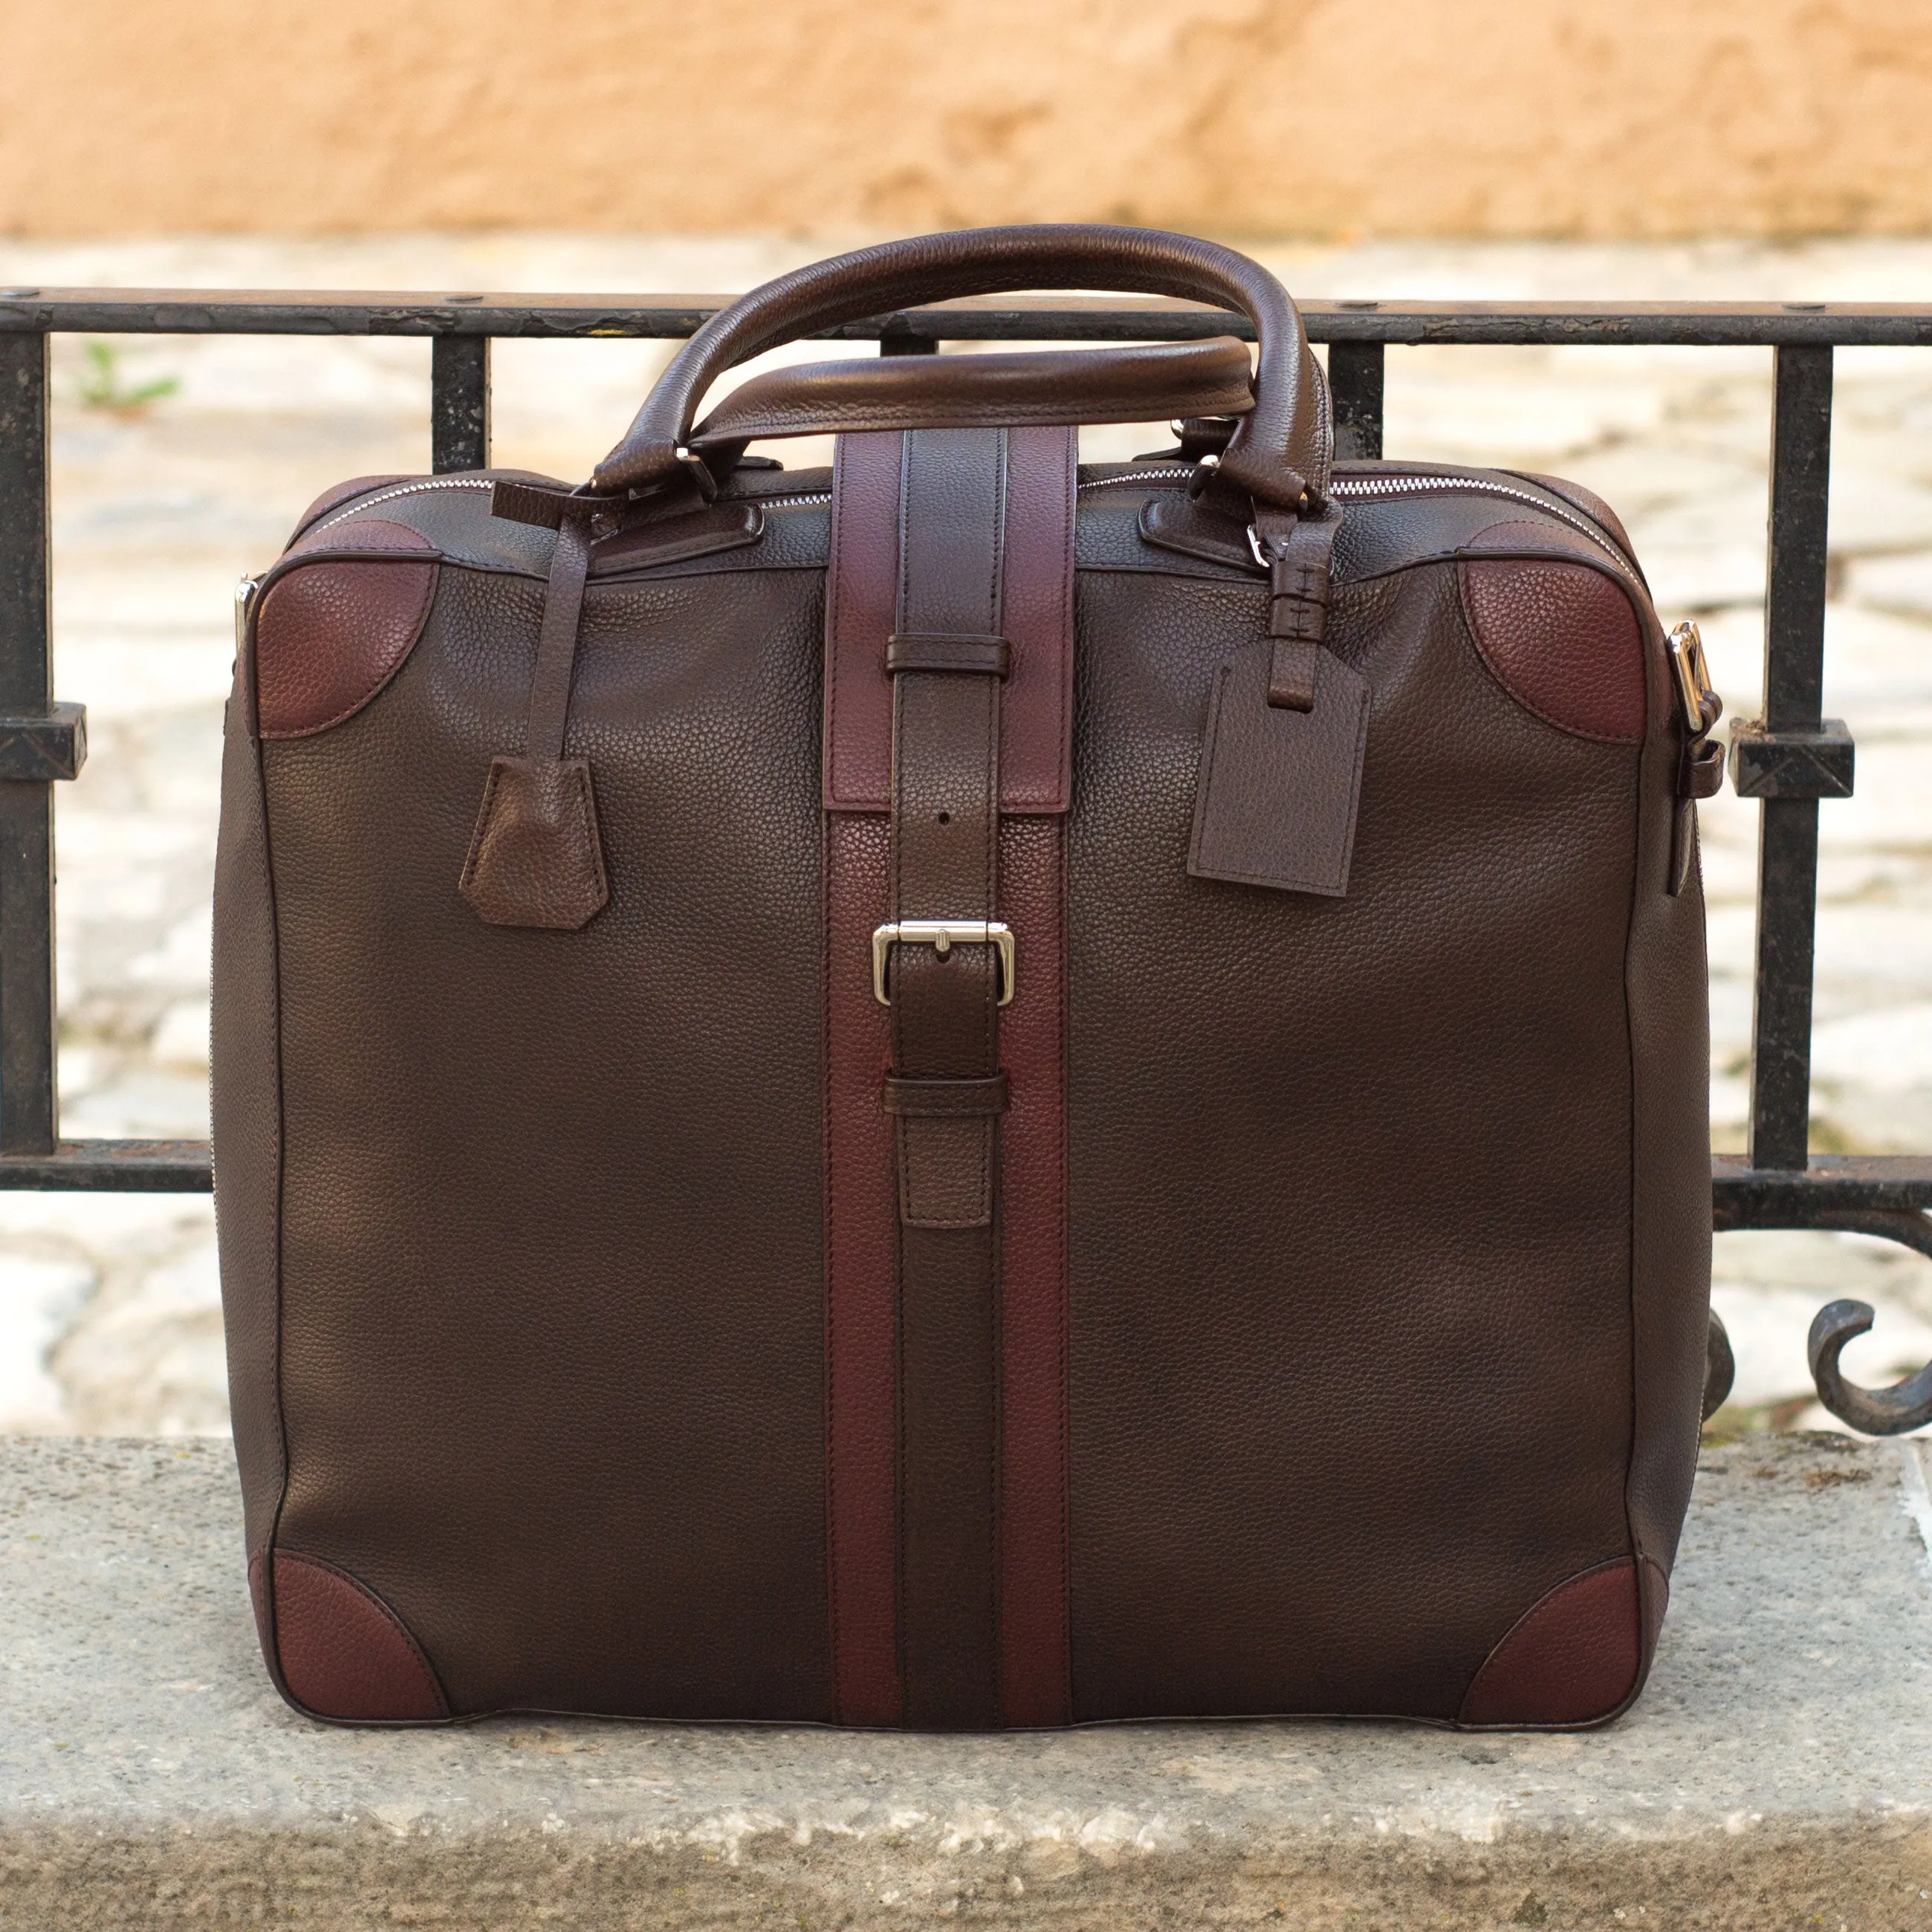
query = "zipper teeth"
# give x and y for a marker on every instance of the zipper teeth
(1178, 472)
(1344, 486)
(1402, 486)
(394, 490)
(786, 502)
(1396, 486)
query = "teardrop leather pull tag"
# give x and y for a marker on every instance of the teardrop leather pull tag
(534, 859)
(1275, 802)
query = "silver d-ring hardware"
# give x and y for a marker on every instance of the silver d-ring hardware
(942, 935)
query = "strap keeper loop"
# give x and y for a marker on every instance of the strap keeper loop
(946, 1099)
(945, 651)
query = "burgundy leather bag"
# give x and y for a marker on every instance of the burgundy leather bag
(965, 1092)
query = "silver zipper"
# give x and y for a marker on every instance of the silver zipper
(1178, 474)
(1400, 486)
(1342, 486)
(362, 503)
(784, 502)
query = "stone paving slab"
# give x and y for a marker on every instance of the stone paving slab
(1776, 1774)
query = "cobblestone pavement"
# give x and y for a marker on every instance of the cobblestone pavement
(110, 1317)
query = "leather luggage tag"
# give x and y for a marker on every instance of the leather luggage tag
(1275, 803)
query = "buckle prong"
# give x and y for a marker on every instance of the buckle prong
(942, 935)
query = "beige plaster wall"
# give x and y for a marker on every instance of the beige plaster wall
(1592, 118)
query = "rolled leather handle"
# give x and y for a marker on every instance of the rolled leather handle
(1145, 382)
(1279, 452)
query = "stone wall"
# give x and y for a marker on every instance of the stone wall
(1332, 118)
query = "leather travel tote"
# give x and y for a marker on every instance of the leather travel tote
(967, 1091)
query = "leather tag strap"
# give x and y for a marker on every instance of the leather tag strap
(945, 1031)
(1298, 549)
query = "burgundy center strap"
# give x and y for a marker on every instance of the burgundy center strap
(948, 642)
(949, 609)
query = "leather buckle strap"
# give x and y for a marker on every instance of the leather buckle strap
(943, 963)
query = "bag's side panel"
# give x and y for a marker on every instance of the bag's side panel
(244, 1055)
(553, 1309)
(1670, 1049)
(1349, 1189)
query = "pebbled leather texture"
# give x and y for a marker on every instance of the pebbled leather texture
(1561, 638)
(1458, 1020)
(536, 858)
(493, 1135)
(1140, 382)
(1574, 1657)
(1034, 1685)
(861, 1282)
(344, 1653)
(245, 1091)
(329, 634)
(1369, 1308)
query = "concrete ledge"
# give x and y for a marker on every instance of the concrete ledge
(1778, 1772)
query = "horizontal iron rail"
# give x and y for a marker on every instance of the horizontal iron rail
(1745, 1196)
(51, 311)
(1788, 755)
(117, 1167)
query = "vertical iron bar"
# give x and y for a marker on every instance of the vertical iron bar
(27, 1115)
(459, 402)
(1794, 677)
(1355, 379)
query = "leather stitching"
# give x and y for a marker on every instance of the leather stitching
(830, 1249)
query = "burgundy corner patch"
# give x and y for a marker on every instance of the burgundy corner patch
(328, 635)
(1572, 1658)
(1561, 637)
(344, 1653)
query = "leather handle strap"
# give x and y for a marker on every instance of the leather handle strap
(1143, 383)
(1280, 450)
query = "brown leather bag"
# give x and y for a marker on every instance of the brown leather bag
(968, 1092)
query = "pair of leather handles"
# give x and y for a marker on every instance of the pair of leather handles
(1280, 450)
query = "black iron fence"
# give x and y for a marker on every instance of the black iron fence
(1792, 757)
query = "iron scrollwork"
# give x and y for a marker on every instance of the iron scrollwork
(1907, 1405)
(1721, 1367)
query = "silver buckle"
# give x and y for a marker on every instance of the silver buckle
(1703, 707)
(942, 935)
